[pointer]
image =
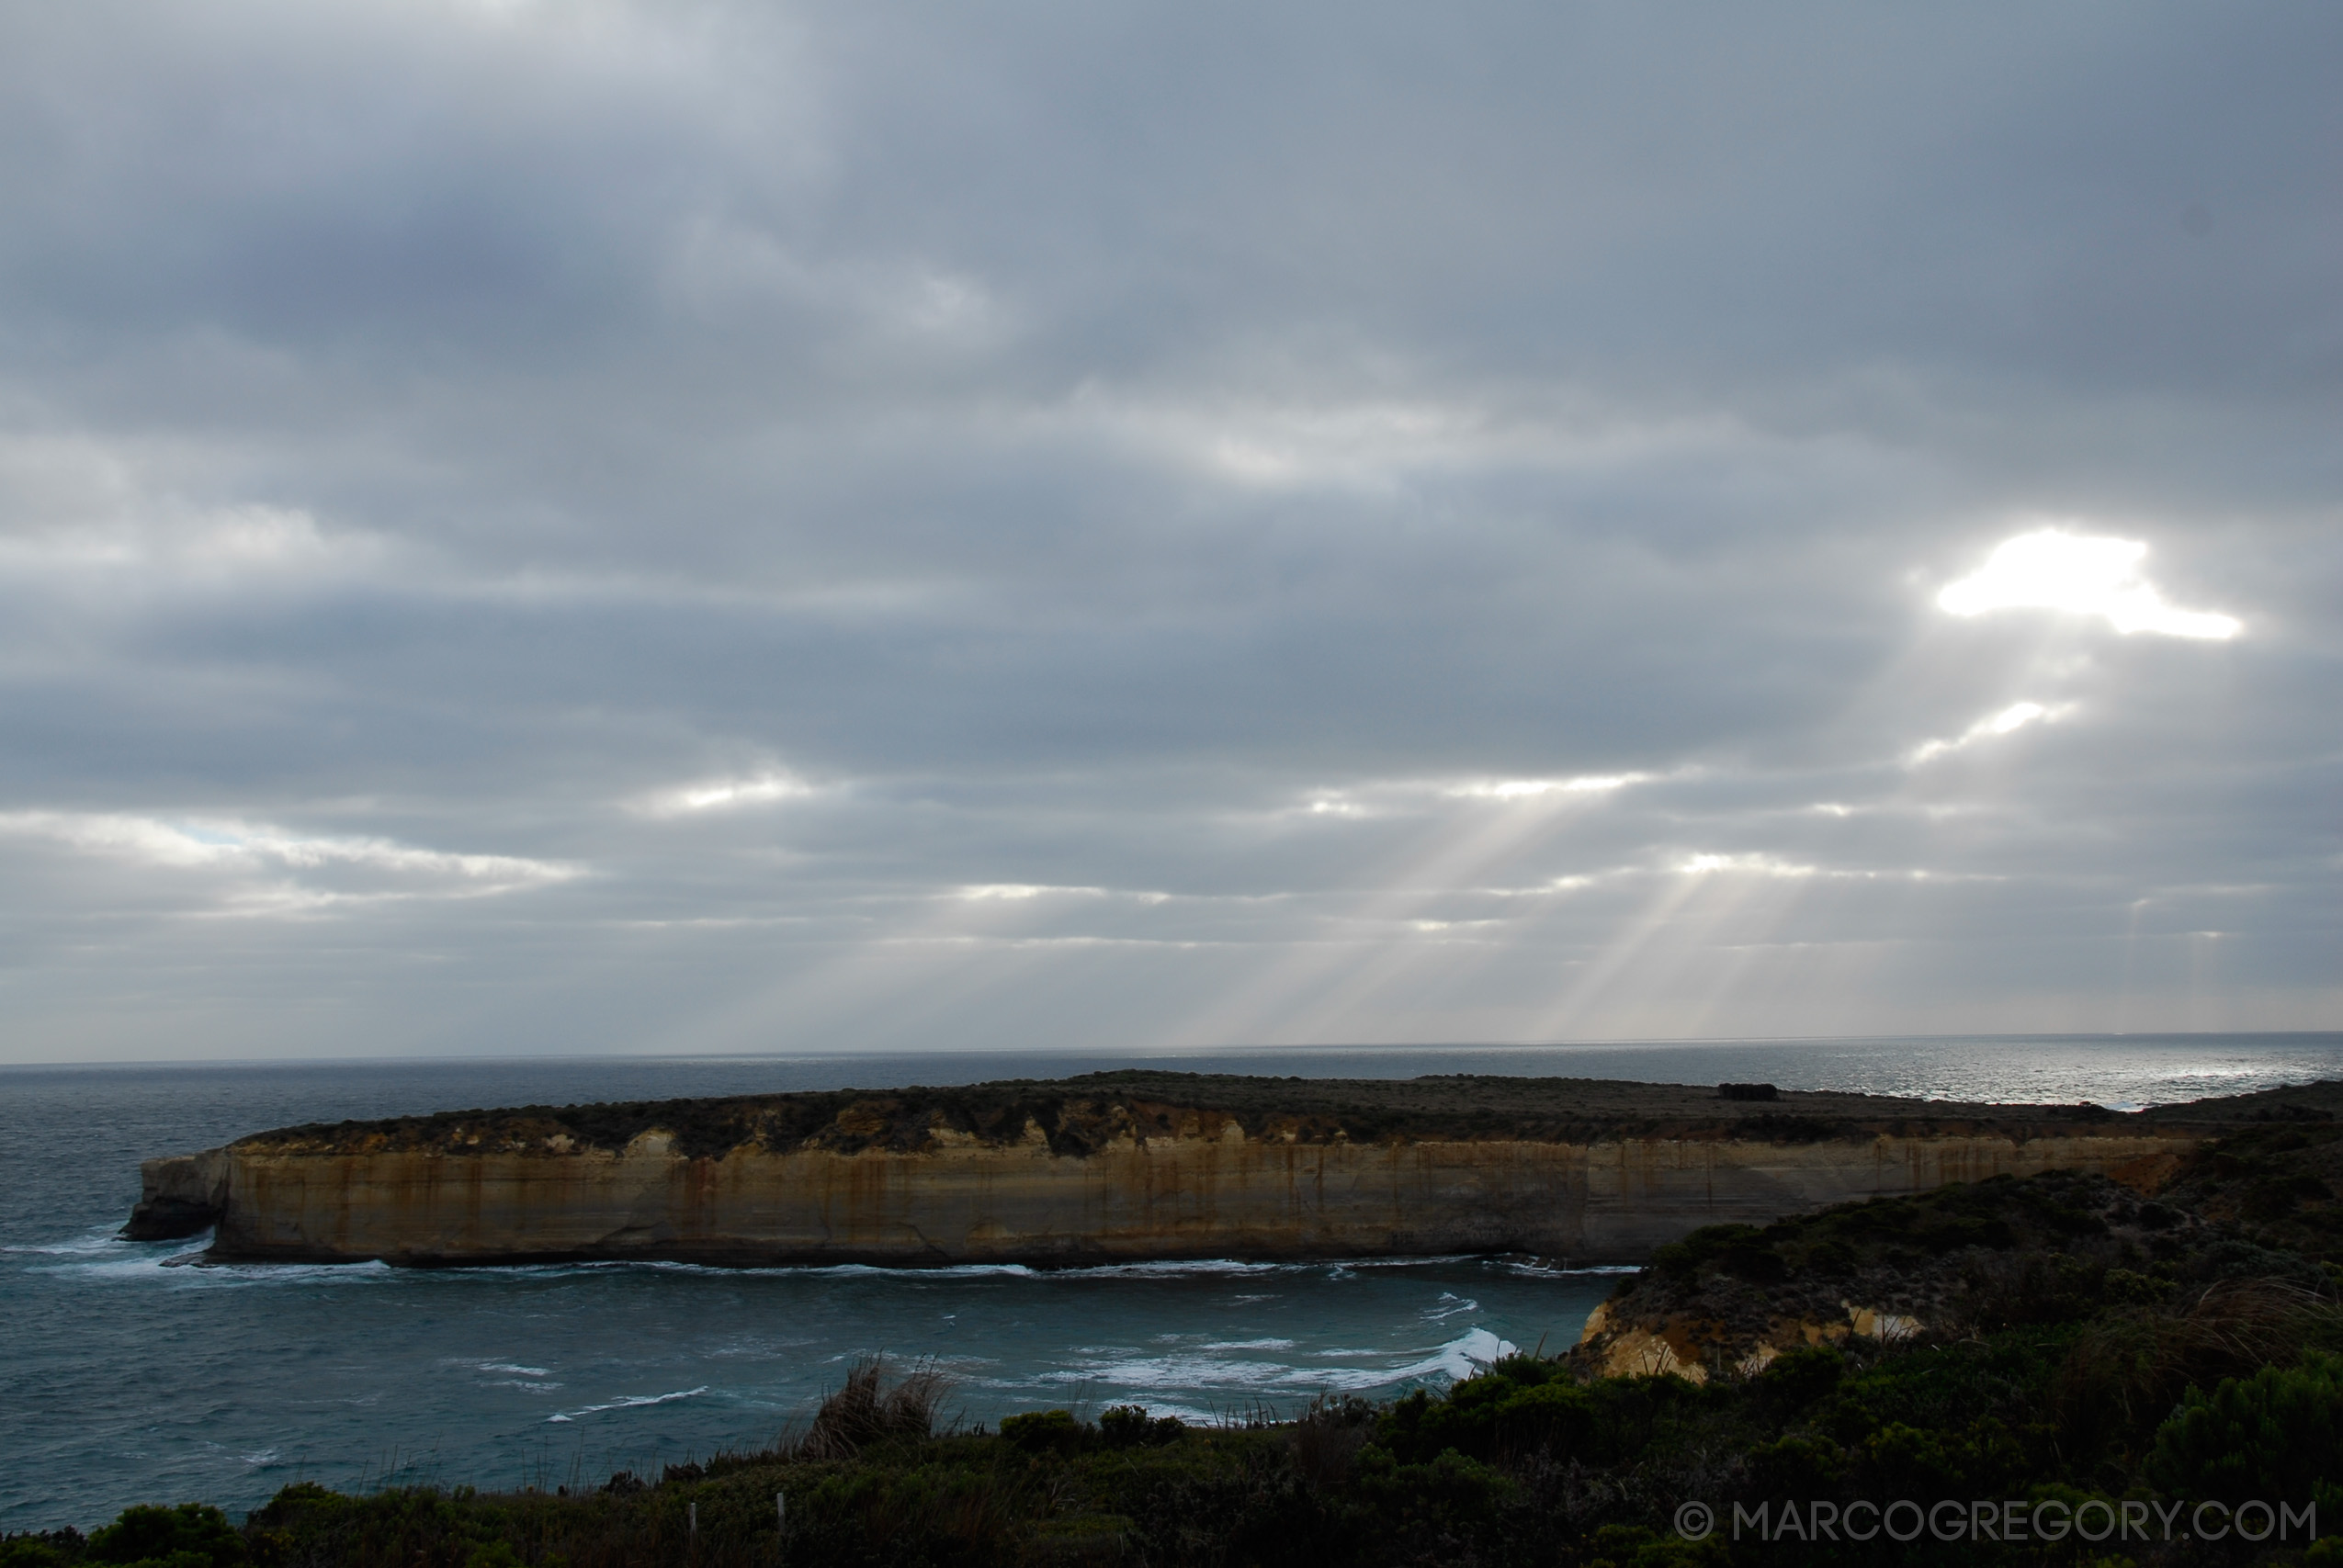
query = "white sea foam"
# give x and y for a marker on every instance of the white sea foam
(123, 1259)
(873, 1271)
(1191, 1413)
(89, 1244)
(632, 1402)
(238, 1276)
(106, 1250)
(1176, 1371)
(1459, 1358)
(727, 1271)
(1462, 1358)
(122, 1266)
(1542, 1269)
(1183, 1266)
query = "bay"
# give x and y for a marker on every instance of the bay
(127, 1380)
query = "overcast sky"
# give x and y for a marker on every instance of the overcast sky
(531, 526)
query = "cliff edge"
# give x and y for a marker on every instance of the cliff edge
(1115, 1166)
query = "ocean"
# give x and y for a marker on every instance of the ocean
(126, 1381)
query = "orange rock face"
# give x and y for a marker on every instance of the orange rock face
(1206, 1192)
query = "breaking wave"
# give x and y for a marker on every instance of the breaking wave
(632, 1402)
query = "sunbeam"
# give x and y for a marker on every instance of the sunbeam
(1313, 988)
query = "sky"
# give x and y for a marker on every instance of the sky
(532, 526)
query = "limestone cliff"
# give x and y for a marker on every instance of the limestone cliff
(180, 1194)
(1109, 1167)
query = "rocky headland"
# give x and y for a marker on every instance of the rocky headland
(2126, 1352)
(2226, 1241)
(1123, 1167)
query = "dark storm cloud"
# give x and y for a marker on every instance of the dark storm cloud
(527, 526)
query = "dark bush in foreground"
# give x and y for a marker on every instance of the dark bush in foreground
(2276, 1434)
(190, 1536)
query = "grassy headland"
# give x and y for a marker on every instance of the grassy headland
(1077, 1113)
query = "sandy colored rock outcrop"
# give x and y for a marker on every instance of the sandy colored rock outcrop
(1685, 1345)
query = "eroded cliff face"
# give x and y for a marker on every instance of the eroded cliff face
(1214, 1193)
(179, 1195)
(1110, 1167)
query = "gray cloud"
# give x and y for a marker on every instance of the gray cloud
(533, 528)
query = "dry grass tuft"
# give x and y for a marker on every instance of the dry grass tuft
(870, 1408)
(2126, 1371)
(1327, 1437)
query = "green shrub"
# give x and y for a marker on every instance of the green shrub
(1982, 1459)
(1129, 1425)
(1735, 1243)
(1491, 1416)
(1043, 1431)
(2122, 1287)
(1450, 1489)
(1796, 1466)
(24, 1551)
(2275, 1435)
(1801, 1378)
(190, 1536)
(1631, 1546)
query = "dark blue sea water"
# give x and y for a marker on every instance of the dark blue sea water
(123, 1381)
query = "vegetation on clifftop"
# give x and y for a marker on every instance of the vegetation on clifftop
(1076, 1115)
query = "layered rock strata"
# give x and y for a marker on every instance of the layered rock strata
(1113, 1167)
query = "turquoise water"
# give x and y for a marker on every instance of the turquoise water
(129, 1380)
